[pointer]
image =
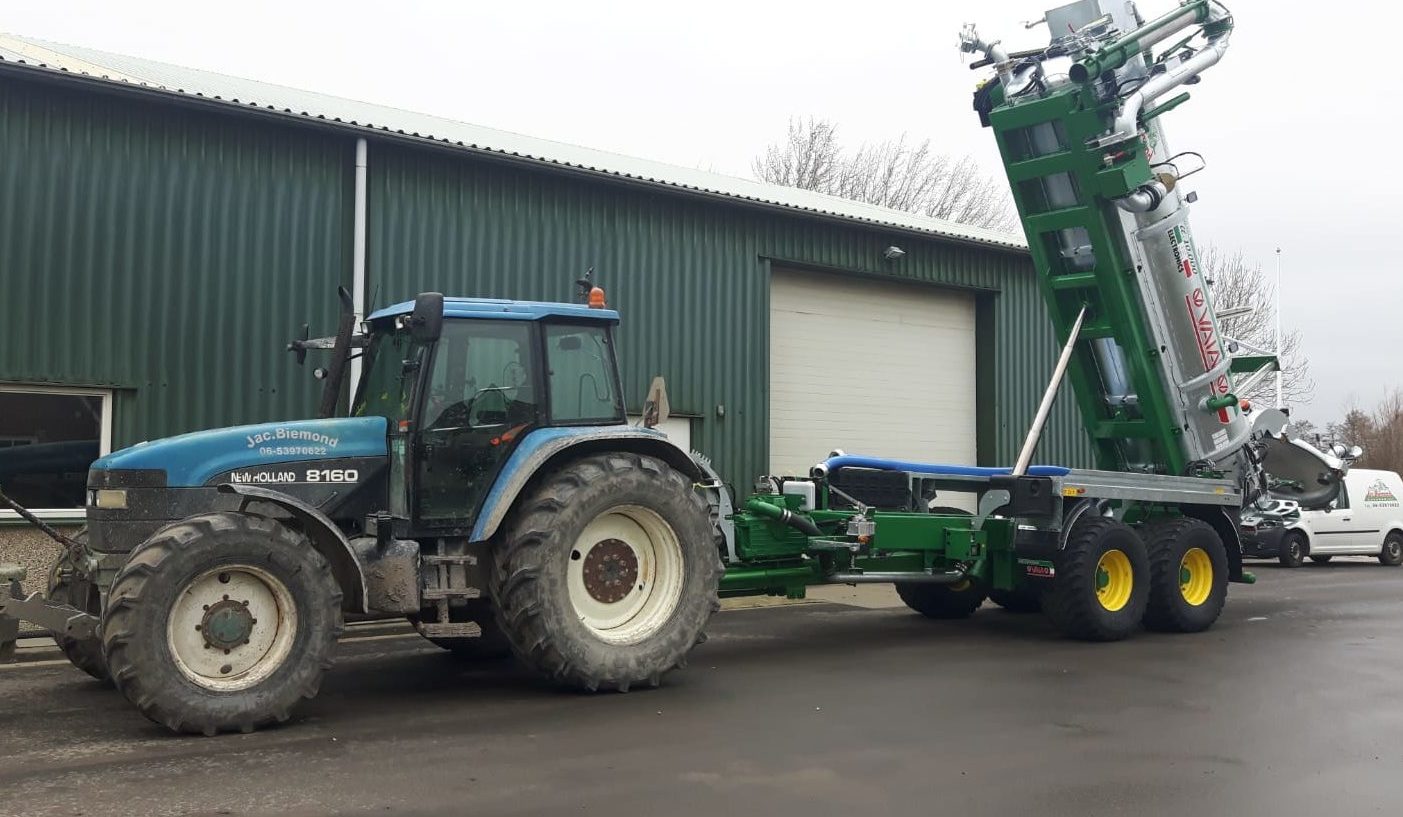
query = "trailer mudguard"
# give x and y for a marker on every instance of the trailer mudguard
(326, 538)
(544, 446)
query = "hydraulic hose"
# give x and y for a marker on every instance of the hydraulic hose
(803, 524)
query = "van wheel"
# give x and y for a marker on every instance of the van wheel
(1392, 554)
(1293, 549)
(1321, 560)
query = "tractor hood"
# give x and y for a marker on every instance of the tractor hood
(1299, 472)
(191, 460)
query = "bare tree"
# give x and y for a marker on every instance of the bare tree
(894, 173)
(1379, 433)
(1236, 282)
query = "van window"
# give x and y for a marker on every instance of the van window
(1342, 501)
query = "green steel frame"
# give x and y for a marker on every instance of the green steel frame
(1108, 289)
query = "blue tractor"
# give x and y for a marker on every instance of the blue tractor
(485, 483)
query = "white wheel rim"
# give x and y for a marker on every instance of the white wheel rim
(625, 543)
(251, 622)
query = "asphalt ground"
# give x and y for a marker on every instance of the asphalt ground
(1289, 706)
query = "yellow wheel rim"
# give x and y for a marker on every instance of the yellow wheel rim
(1114, 580)
(1195, 576)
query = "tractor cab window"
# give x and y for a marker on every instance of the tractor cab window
(386, 388)
(479, 400)
(581, 376)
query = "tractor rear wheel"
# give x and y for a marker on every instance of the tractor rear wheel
(1102, 582)
(1022, 600)
(83, 653)
(608, 573)
(221, 622)
(942, 601)
(1188, 576)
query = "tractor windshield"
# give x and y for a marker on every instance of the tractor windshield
(385, 391)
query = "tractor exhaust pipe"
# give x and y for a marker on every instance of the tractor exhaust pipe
(340, 355)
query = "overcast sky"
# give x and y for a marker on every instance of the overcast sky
(1298, 123)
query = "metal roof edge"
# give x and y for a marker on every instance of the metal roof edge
(909, 224)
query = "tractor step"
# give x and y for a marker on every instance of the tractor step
(436, 593)
(454, 559)
(465, 629)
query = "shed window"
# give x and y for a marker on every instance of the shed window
(48, 438)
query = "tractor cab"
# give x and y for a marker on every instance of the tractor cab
(463, 381)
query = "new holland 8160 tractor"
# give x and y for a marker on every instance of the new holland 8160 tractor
(486, 484)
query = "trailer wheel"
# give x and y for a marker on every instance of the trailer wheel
(490, 646)
(1022, 600)
(1293, 549)
(83, 653)
(1188, 576)
(943, 601)
(1102, 582)
(608, 573)
(1392, 553)
(220, 622)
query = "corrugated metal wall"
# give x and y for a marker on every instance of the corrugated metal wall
(166, 252)
(170, 253)
(691, 279)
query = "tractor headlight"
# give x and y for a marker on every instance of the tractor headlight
(109, 498)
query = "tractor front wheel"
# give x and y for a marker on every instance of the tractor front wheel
(1102, 583)
(221, 622)
(608, 573)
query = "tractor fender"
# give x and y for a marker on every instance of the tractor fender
(540, 450)
(326, 538)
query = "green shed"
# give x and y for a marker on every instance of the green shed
(165, 231)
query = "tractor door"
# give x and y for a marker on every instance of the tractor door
(480, 397)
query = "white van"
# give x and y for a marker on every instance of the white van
(1365, 520)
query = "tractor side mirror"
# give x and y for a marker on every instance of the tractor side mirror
(426, 322)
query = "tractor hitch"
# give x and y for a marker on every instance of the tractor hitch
(16, 606)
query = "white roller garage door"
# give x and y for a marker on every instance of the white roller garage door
(871, 367)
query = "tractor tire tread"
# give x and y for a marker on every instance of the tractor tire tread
(1078, 614)
(156, 691)
(518, 561)
(1165, 613)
